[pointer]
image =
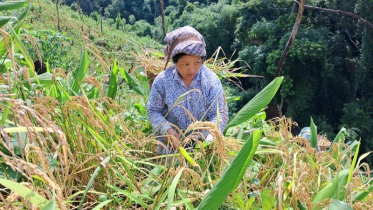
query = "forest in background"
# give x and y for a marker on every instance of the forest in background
(77, 136)
(328, 71)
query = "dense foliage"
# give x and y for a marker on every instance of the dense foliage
(77, 136)
(327, 71)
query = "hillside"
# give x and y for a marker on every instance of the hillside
(82, 32)
(71, 140)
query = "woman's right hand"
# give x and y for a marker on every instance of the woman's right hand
(173, 138)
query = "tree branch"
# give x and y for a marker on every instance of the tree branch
(339, 12)
(291, 38)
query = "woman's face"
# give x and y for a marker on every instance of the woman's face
(188, 67)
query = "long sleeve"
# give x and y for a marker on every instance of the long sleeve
(156, 107)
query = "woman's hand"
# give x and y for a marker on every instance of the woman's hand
(173, 138)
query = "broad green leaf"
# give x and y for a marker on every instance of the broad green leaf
(171, 192)
(336, 189)
(80, 72)
(12, 5)
(113, 83)
(267, 200)
(4, 20)
(131, 81)
(253, 140)
(313, 128)
(261, 100)
(25, 192)
(339, 205)
(225, 185)
(44, 79)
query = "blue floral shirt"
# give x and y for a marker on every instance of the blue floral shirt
(164, 108)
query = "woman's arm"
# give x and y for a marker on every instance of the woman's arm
(156, 106)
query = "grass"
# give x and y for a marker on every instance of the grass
(77, 148)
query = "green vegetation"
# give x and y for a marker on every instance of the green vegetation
(77, 136)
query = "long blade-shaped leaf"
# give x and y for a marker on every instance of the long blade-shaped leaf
(353, 164)
(131, 81)
(113, 83)
(226, 183)
(336, 189)
(23, 49)
(313, 128)
(12, 5)
(254, 141)
(4, 20)
(25, 192)
(80, 72)
(171, 192)
(256, 104)
(91, 180)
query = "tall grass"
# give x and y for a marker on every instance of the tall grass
(72, 141)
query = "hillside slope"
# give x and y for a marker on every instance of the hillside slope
(83, 32)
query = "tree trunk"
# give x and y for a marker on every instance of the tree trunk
(101, 18)
(163, 18)
(291, 38)
(58, 16)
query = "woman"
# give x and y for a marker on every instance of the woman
(199, 87)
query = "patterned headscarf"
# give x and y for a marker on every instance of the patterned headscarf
(184, 40)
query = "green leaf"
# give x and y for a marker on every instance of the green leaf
(313, 128)
(267, 200)
(4, 20)
(301, 206)
(225, 185)
(131, 81)
(362, 195)
(336, 189)
(80, 72)
(340, 138)
(130, 195)
(261, 100)
(25, 192)
(186, 202)
(99, 206)
(18, 42)
(113, 83)
(353, 164)
(91, 180)
(339, 205)
(253, 143)
(51, 205)
(12, 5)
(171, 192)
